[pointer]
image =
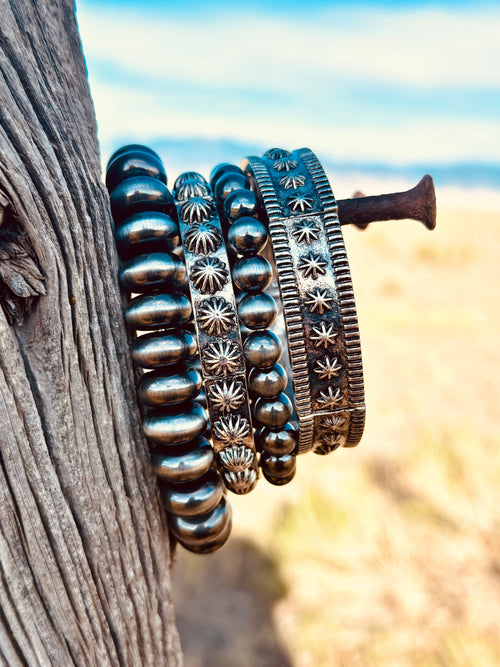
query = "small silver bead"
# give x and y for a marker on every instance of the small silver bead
(228, 183)
(278, 470)
(193, 531)
(268, 383)
(193, 498)
(252, 273)
(157, 311)
(257, 310)
(277, 443)
(157, 388)
(240, 203)
(220, 170)
(247, 236)
(210, 545)
(163, 349)
(273, 413)
(149, 231)
(185, 463)
(148, 272)
(175, 426)
(262, 349)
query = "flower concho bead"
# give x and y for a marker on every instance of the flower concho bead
(218, 335)
(147, 238)
(247, 237)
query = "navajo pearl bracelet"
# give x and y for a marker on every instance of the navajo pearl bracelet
(191, 489)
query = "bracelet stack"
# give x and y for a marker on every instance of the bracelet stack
(216, 402)
(173, 421)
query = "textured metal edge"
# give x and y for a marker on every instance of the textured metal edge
(289, 298)
(345, 293)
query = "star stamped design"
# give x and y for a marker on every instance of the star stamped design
(300, 203)
(284, 164)
(191, 188)
(197, 209)
(312, 265)
(209, 275)
(330, 398)
(236, 458)
(215, 316)
(323, 335)
(276, 153)
(332, 422)
(292, 181)
(241, 481)
(202, 239)
(328, 369)
(329, 443)
(226, 395)
(232, 430)
(222, 357)
(306, 231)
(319, 301)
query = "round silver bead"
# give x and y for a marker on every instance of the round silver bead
(134, 163)
(184, 464)
(138, 194)
(157, 389)
(149, 231)
(257, 310)
(247, 236)
(241, 203)
(175, 426)
(193, 498)
(262, 349)
(268, 383)
(273, 413)
(148, 272)
(163, 349)
(278, 470)
(252, 273)
(220, 170)
(210, 545)
(157, 311)
(229, 182)
(129, 148)
(197, 530)
(277, 443)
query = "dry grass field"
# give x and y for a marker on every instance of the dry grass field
(389, 554)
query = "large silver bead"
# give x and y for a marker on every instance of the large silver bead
(148, 272)
(247, 236)
(185, 463)
(193, 498)
(149, 231)
(268, 383)
(134, 163)
(140, 193)
(273, 413)
(257, 310)
(262, 349)
(157, 311)
(210, 545)
(197, 530)
(129, 148)
(252, 273)
(175, 426)
(163, 349)
(160, 388)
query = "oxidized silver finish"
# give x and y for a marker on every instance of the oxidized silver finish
(156, 350)
(158, 311)
(157, 388)
(185, 466)
(175, 427)
(145, 273)
(219, 339)
(193, 498)
(317, 296)
(205, 545)
(192, 531)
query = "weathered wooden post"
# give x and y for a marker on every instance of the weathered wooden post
(85, 562)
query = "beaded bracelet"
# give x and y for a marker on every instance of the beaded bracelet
(252, 273)
(174, 421)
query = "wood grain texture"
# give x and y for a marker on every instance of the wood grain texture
(84, 553)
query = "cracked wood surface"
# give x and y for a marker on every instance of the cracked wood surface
(84, 552)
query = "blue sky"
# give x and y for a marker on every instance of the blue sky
(395, 83)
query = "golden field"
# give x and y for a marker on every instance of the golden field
(388, 554)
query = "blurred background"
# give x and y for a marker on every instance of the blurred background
(389, 554)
